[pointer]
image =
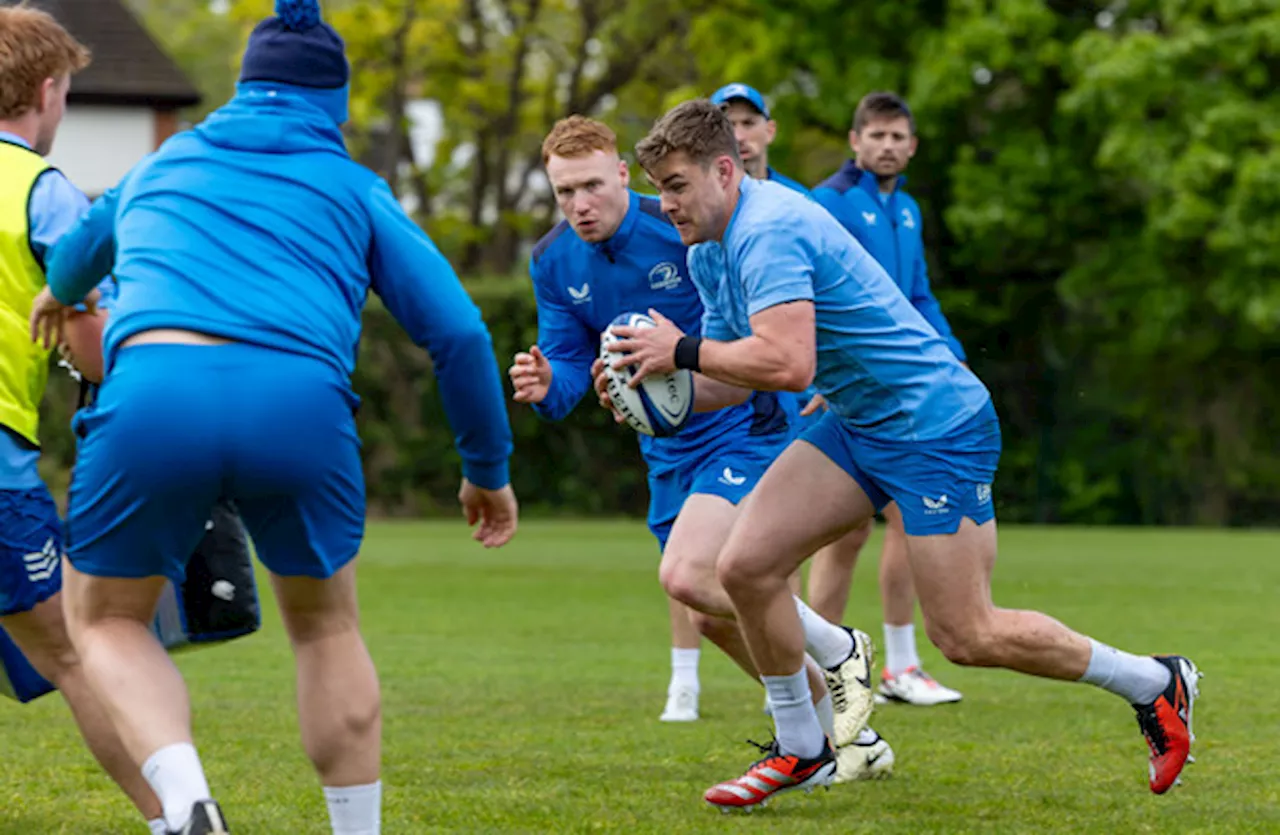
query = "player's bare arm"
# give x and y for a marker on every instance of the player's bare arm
(710, 394)
(778, 356)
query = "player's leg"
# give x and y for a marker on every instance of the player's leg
(831, 572)
(688, 568)
(298, 483)
(686, 649)
(867, 755)
(141, 693)
(31, 614)
(721, 480)
(688, 574)
(949, 519)
(339, 705)
(804, 501)
(667, 491)
(903, 678)
(952, 575)
(42, 636)
(146, 475)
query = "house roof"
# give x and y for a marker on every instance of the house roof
(128, 67)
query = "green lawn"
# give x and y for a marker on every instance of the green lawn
(522, 688)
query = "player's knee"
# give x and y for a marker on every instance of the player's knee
(683, 581)
(965, 643)
(671, 576)
(739, 571)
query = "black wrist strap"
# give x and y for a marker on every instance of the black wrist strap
(687, 351)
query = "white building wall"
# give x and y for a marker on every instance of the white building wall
(97, 145)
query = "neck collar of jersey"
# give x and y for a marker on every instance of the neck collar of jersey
(870, 183)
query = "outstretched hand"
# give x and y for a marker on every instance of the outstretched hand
(530, 376)
(496, 510)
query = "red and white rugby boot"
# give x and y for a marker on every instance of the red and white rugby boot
(1166, 722)
(774, 774)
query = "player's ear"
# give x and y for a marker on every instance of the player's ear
(853, 142)
(771, 129)
(912, 145)
(724, 169)
(48, 92)
(624, 173)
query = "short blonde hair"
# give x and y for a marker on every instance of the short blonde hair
(578, 136)
(33, 47)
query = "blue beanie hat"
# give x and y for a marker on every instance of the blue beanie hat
(296, 47)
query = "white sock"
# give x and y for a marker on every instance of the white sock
(827, 717)
(900, 648)
(1137, 679)
(158, 827)
(799, 731)
(355, 810)
(830, 645)
(684, 668)
(175, 775)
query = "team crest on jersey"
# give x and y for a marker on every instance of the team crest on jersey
(908, 219)
(664, 276)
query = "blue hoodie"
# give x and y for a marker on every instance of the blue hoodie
(257, 226)
(891, 231)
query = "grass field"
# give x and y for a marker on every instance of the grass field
(522, 688)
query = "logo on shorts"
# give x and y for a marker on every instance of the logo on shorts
(42, 564)
(984, 493)
(731, 478)
(935, 507)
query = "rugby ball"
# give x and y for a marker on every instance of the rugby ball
(662, 403)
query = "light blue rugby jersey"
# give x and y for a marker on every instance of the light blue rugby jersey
(881, 366)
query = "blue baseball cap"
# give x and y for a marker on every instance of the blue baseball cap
(737, 91)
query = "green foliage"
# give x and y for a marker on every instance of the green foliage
(584, 465)
(1100, 184)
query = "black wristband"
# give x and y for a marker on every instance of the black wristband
(687, 350)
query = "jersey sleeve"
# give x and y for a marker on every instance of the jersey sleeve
(55, 206)
(424, 294)
(775, 266)
(567, 343)
(86, 253)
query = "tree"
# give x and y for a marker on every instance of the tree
(202, 40)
